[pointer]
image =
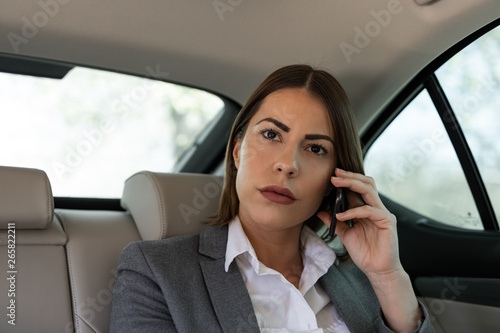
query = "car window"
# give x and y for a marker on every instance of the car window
(471, 81)
(414, 161)
(92, 129)
(414, 164)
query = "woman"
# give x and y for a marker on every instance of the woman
(261, 267)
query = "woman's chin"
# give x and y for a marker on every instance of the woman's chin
(276, 220)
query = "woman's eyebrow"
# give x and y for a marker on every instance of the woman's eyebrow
(278, 123)
(318, 137)
(285, 128)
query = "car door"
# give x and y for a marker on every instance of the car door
(435, 154)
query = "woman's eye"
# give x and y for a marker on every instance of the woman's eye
(270, 135)
(318, 150)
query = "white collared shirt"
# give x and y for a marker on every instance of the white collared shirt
(279, 306)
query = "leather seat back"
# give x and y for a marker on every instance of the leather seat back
(36, 290)
(166, 204)
(95, 241)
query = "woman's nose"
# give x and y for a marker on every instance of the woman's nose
(287, 163)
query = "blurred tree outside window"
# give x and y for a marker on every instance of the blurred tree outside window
(414, 164)
(471, 81)
(93, 129)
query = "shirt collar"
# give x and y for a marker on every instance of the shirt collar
(317, 257)
(315, 251)
(238, 243)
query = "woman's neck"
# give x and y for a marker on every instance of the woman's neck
(278, 249)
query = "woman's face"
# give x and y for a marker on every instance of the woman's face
(284, 160)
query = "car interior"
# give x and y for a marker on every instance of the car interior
(85, 84)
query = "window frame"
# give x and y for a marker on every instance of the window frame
(427, 80)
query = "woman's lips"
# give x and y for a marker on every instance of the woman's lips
(278, 195)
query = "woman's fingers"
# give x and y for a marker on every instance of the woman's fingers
(358, 183)
(366, 213)
(348, 174)
(363, 214)
(369, 220)
(364, 202)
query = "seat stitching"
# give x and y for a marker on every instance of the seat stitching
(71, 277)
(49, 196)
(83, 319)
(162, 209)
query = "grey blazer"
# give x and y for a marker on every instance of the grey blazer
(179, 285)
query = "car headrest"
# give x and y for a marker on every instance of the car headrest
(25, 198)
(165, 205)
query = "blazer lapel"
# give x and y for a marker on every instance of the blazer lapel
(349, 301)
(227, 291)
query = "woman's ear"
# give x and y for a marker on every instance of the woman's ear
(236, 152)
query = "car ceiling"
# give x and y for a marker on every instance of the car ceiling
(230, 52)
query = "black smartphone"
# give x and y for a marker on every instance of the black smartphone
(336, 207)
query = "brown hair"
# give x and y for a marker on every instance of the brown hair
(319, 84)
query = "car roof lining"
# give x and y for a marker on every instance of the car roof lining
(232, 55)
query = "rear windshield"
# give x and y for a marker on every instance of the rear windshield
(92, 129)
